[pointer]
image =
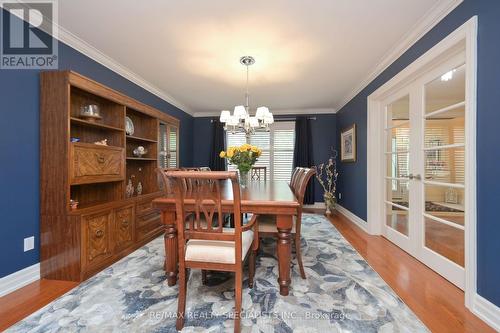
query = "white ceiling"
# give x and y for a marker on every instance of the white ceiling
(309, 54)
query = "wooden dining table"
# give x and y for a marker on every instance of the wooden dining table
(275, 198)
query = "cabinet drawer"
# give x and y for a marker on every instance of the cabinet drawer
(148, 219)
(144, 207)
(124, 227)
(149, 229)
(91, 163)
(96, 238)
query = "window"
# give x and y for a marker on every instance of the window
(168, 146)
(277, 148)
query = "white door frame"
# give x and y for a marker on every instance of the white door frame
(465, 34)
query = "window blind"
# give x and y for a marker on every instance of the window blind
(172, 148)
(163, 146)
(277, 149)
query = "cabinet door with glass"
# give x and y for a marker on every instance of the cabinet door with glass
(169, 146)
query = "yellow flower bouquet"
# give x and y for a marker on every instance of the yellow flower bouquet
(244, 157)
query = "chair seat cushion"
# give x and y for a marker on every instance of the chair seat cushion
(214, 251)
(267, 223)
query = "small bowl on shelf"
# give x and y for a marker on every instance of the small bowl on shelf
(140, 151)
(90, 112)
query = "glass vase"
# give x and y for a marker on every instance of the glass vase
(329, 202)
(243, 178)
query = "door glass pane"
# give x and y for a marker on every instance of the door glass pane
(398, 126)
(445, 165)
(446, 203)
(446, 128)
(445, 240)
(398, 165)
(397, 192)
(398, 112)
(397, 219)
(447, 89)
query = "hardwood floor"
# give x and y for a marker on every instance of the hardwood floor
(438, 303)
(23, 302)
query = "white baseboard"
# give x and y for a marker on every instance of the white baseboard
(19, 279)
(315, 205)
(486, 311)
(352, 217)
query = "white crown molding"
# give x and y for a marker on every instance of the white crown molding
(19, 279)
(90, 51)
(487, 311)
(276, 112)
(423, 26)
(352, 217)
(95, 54)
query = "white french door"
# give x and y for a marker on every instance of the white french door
(424, 175)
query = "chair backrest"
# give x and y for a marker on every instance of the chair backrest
(205, 169)
(167, 184)
(258, 173)
(199, 208)
(297, 174)
(294, 176)
(303, 180)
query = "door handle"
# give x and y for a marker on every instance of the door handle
(415, 177)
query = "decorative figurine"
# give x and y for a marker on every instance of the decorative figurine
(102, 142)
(73, 204)
(139, 188)
(129, 191)
(451, 196)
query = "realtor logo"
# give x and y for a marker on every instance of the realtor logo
(28, 35)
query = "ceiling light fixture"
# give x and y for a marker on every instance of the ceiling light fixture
(448, 75)
(241, 121)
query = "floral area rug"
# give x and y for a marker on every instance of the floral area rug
(342, 293)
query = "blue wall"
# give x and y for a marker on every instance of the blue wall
(324, 133)
(19, 144)
(353, 176)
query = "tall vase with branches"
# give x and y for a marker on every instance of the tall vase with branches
(326, 174)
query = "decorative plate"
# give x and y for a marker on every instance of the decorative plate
(129, 126)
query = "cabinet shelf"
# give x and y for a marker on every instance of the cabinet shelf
(136, 138)
(82, 122)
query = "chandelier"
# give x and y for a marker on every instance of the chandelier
(241, 121)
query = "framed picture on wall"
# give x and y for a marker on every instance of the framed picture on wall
(348, 144)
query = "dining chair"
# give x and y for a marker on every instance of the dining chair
(203, 241)
(258, 173)
(205, 169)
(267, 223)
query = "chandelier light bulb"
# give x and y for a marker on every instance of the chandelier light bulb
(224, 116)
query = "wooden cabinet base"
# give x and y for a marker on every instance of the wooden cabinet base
(99, 236)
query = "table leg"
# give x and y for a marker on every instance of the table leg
(284, 248)
(170, 238)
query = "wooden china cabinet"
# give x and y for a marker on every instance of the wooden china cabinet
(107, 224)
